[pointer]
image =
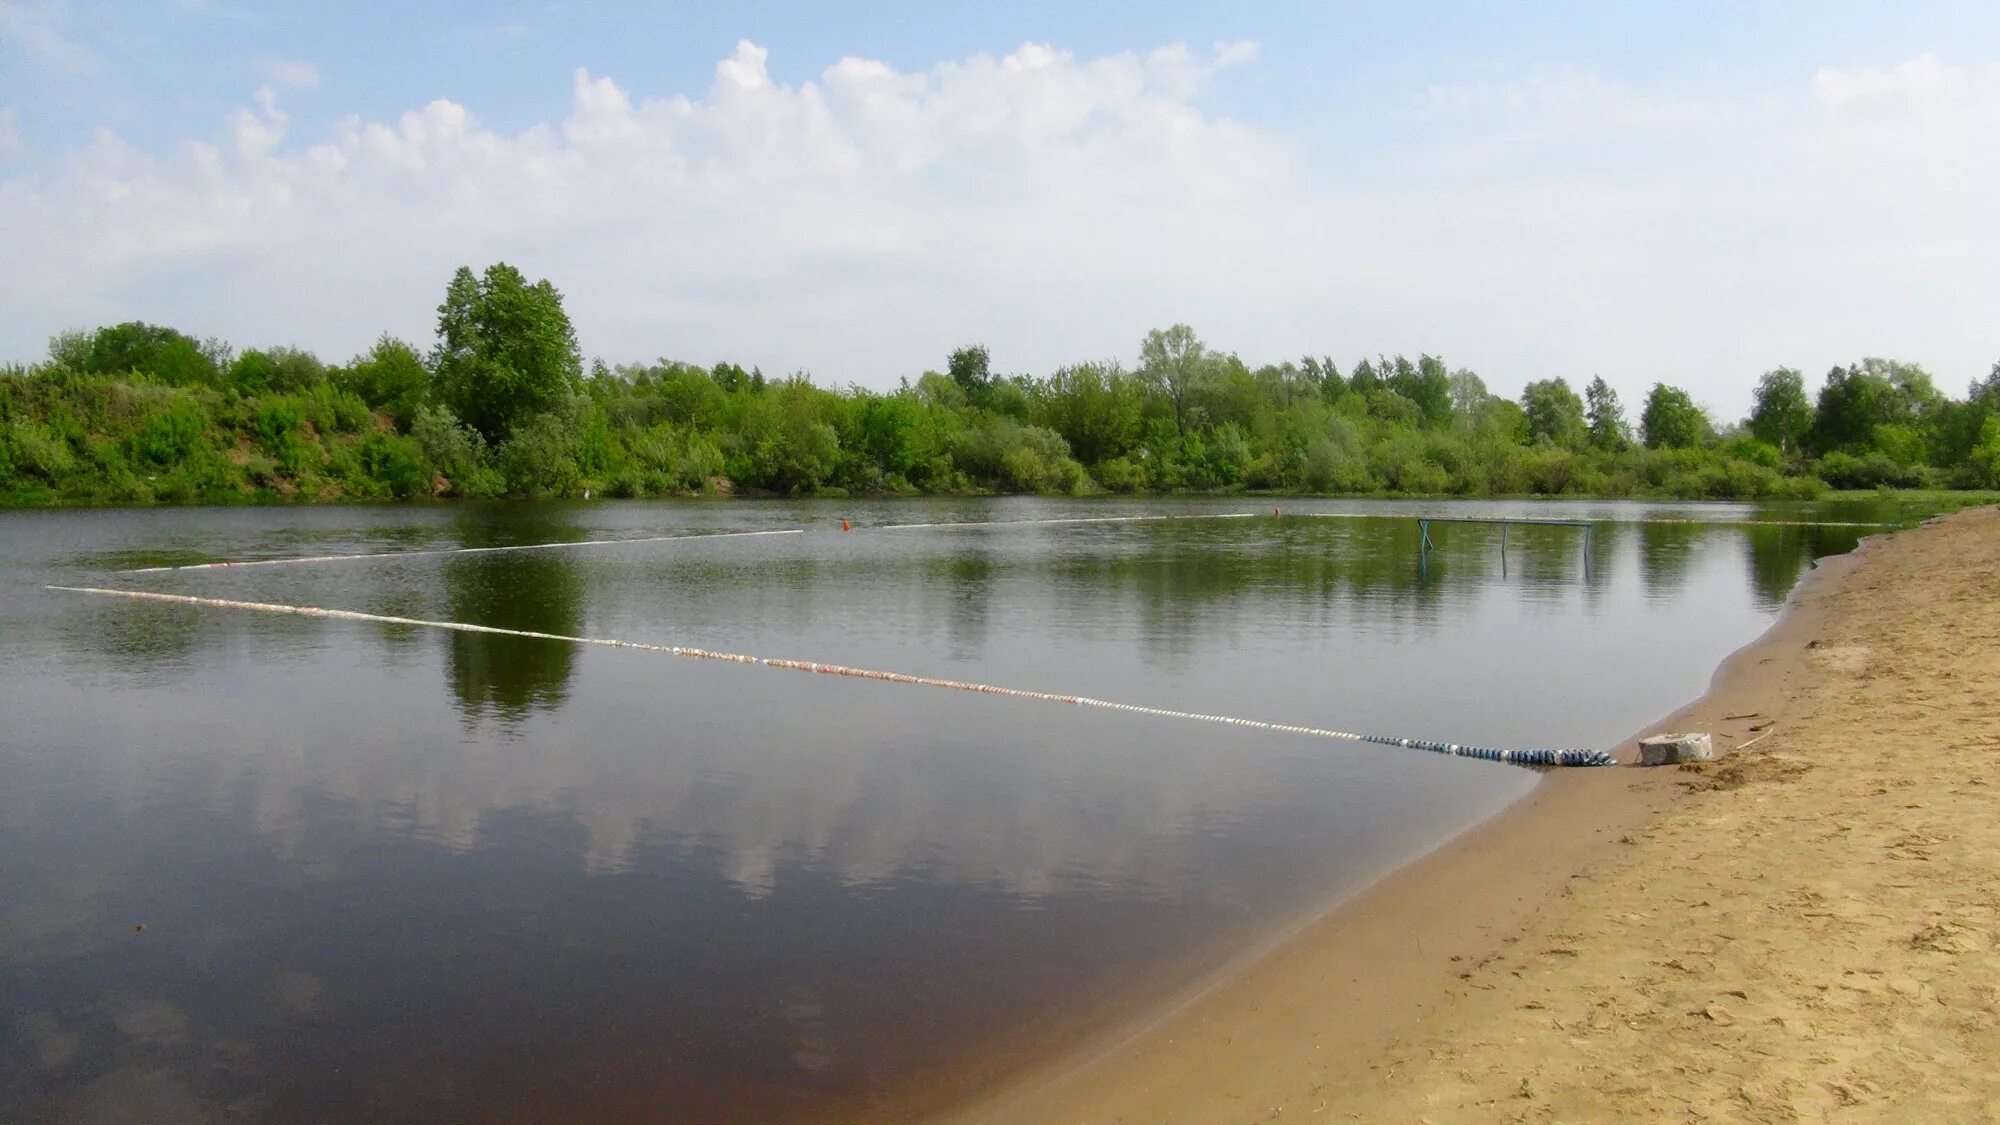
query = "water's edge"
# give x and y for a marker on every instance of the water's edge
(1557, 821)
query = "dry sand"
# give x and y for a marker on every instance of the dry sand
(1803, 930)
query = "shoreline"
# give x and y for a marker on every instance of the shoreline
(1336, 1001)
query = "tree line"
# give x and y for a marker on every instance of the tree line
(502, 404)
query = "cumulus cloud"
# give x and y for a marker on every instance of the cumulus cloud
(698, 225)
(295, 73)
(862, 223)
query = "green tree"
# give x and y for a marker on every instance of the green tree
(1986, 392)
(1555, 414)
(1782, 414)
(1671, 419)
(1173, 362)
(1468, 394)
(1606, 415)
(505, 350)
(280, 370)
(391, 377)
(135, 347)
(1364, 379)
(1097, 408)
(1852, 403)
(971, 368)
(1426, 384)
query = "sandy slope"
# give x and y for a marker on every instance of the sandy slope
(1805, 930)
(1810, 933)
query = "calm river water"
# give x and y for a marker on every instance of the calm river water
(274, 868)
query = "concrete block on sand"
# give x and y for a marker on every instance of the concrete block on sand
(1672, 749)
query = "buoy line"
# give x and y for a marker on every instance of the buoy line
(1071, 519)
(1359, 516)
(1527, 521)
(1530, 757)
(235, 564)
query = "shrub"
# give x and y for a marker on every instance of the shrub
(540, 458)
(395, 463)
(172, 436)
(30, 447)
(454, 451)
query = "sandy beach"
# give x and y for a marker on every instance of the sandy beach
(1801, 930)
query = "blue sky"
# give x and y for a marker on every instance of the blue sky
(1687, 192)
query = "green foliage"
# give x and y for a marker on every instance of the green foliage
(454, 453)
(1856, 401)
(540, 458)
(1783, 415)
(396, 464)
(1672, 420)
(135, 348)
(1555, 414)
(1174, 364)
(137, 414)
(171, 437)
(390, 378)
(1983, 463)
(505, 351)
(283, 370)
(1606, 416)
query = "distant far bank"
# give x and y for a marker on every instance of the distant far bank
(501, 406)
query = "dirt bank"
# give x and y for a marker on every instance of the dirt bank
(1802, 930)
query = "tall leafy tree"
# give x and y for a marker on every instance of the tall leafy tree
(1853, 401)
(1606, 416)
(1986, 391)
(1174, 363)
(1364, 379)
(1782, 414)
(971, 368)
(1468, 394)
(1671, 419)
(1427, 384)
(1555, 414)
(505, 352)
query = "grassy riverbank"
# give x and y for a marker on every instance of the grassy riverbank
(501, 405)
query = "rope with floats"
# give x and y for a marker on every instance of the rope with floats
(238, 563)
(1527, 757)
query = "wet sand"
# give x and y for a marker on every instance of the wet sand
(1800, 930)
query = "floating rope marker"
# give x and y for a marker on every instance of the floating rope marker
(460, 550)
(1069, 519)
(1532, 757)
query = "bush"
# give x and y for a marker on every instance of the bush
(31, 448)
(395, 463)
(453, 451)
(172, 436)
(1120, 475)
(540, 458)
(1845, 470)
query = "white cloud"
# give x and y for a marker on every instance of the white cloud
(863, 223)
(295, 73)
(1920, 131)
(1235, 52)
(33, 28)
(1920, 87)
